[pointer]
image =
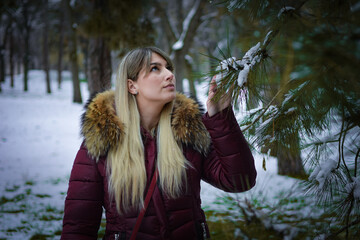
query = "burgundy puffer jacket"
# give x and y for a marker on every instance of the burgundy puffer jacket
(214, 146)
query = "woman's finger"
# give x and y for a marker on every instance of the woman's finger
(212, 85)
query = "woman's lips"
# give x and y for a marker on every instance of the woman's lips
(170, 86)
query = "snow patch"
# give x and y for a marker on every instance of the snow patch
(178, 45)
(323, 171)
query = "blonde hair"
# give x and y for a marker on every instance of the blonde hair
(125, 162)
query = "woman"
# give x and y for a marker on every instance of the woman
(145, 131)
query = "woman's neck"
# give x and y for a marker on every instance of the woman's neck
(149, 115)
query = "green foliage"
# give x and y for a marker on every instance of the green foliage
(310, 99)
(121, 25)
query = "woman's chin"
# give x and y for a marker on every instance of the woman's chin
(170, 96)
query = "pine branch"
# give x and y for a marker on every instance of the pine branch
(357, 221)
(241, 68)
(263, 112)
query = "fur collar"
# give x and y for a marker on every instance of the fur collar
(102, 129)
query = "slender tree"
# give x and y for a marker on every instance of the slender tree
(72, 45)
(45, 44)
(61, 44)
(26, 27)
(11, 58)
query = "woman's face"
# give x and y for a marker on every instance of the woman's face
(156, 85)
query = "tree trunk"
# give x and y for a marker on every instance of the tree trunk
(2, 63)
(46, 47)
(26, 59)
(2, 52)
(11, 58)
(191, 79)
(185, 36)
(19, 62)
(61, 49)
(179, 63)
(74, 68)
(85, 51)
(99, 66)
(73, 54)
(289, 160)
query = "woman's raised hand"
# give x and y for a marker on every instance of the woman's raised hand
(215, 107)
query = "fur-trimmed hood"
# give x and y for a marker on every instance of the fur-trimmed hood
(102, 129)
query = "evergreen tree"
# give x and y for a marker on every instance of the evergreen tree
(310, 49)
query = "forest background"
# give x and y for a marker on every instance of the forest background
(293, 66)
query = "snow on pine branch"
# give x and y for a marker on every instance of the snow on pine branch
(244, 65)
(323, 171)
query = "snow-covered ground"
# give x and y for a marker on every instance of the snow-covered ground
(39, 138)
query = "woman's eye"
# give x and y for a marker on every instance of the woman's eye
(154, 69)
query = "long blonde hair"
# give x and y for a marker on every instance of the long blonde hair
(125, 162)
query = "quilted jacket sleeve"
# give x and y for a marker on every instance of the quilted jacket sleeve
(84, 200)
(229, 165)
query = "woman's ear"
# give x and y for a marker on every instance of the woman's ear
(132, 87)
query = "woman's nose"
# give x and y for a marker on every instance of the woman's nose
(169, 75)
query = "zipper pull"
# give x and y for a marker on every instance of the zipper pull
(204, 230)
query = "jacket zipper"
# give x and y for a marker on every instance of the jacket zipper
(204, 229)
(116, 236)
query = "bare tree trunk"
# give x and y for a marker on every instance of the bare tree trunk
(179, 62)
(74, 68)
(84, 45)
(179, 15)
(99, 65)
(190, 78)
(46, 47)
(19, 60)
(11, 58)
(2, 52)
(61, 48)
(184, 38)
(73, 54)
(187, 38)
(2, 63)
(26, 56)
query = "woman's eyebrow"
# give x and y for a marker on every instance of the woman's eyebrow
(155, 63)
